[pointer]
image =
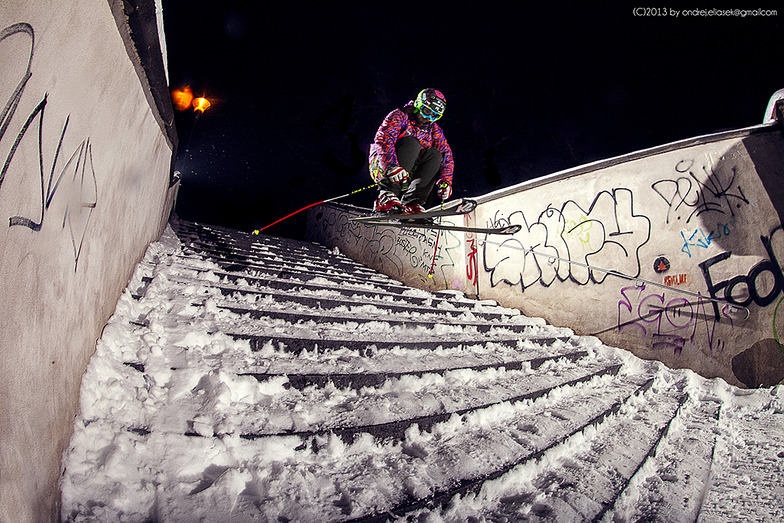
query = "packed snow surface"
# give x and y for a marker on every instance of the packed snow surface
(183, 418)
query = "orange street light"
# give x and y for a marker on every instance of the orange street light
(201, 104)
(182, 98)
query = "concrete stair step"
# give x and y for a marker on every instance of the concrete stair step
(271, 278)
(530, 449)
(396, 429)
(256, 297)
(334, 283)
(283, 269)
(296, 345)
(499, 388)
(264, 247)
(359, 380)
(248, 254)
(321, 316)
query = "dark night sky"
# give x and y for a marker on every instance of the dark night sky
(300, 88)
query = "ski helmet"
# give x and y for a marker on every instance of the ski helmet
(430, 103)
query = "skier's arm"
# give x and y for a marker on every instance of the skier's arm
(448, 162)
(386, 137)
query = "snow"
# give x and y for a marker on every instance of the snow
(182, 420)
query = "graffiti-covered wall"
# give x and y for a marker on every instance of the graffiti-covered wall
(421, 258)
(85, 158)
(673, 253)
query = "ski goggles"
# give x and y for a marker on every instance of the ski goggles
(429, 114)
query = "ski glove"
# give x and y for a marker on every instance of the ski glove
(397, 175)
(444, 190)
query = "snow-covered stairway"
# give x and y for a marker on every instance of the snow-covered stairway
(252, 378)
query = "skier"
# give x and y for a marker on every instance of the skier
(410, 156)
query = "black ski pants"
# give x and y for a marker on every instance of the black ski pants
(422, 164)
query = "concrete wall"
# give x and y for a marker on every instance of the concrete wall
(404, 254)
(696, 219)
(684, 224)
(84, 187)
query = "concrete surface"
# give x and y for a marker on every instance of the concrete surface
(84, 188)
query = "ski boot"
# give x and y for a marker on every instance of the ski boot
(414, 208)
(388, 203)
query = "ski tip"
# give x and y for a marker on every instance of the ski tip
(513, 229)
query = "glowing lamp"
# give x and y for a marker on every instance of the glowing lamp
(201, 104)
(182, 98)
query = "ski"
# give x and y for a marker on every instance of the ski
(417, 224)
(425, 220)
(453, 208)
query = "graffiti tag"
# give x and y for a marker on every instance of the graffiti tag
(609, 234)
(672, 323)
(78, 171)
(692, 193)
(753, 287)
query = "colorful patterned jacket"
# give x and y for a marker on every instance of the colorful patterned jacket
(400, 123)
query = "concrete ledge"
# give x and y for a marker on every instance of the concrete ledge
(636, 155)
(407, 255)
(138, 26)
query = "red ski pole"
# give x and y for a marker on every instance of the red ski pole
(435, 251)
(257, 231)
